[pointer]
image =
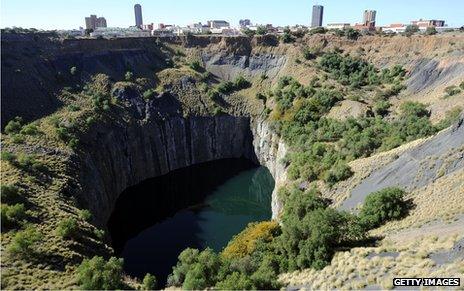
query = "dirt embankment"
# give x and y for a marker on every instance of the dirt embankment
(35, 68)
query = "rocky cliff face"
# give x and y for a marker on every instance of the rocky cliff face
(117, 156)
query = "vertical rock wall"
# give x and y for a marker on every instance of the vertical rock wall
(119, 156)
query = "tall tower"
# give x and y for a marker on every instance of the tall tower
(138, 15)
(369, 17)
(318, 12)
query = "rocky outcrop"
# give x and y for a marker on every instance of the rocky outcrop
(229, 65)
(35, 69)
(417, 167)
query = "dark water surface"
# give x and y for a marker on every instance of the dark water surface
(205, 206)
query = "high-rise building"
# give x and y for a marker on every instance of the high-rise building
(93, 22)
(369, 18)
(138, 15)
(318, 13)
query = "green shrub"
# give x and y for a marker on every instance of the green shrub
(30, 163)
(195, 270)
(430, 30)
(351, 33)
(318, 30)
(248, 32)
(18, 138)
(287, 38)
(414, 109)
(235, 281)
(85, 214)
(411, 29)
(261, 30)
(12, 215)
(196, 66)
(348, 70)
(129, 76)
(461, 85)
(225, 87)
(382, 206)
(74, 107)
(14, 125)
(241, 83)
(381, 107)
(149, 282)
(452, 90)
(309, 54)
(10, 194)
(8, 157)
(97, 274)
(73, 71)
(149, 94)
(24, 243)
(311, 230)
(29, 129)
(339, 172)
(68, 228)
(99, 233)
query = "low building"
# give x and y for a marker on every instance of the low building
(150, 26)
(338, 26)
(424, 24)
(226, 31)
(218, 24)
(113, 32)
(394, 28)
(244, 22)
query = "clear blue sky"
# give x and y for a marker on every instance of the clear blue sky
(66, 14)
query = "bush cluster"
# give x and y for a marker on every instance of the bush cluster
(25, 162)
(356, 72)
(68, 228)
(196, 66)
(382, 206)
(12, 216)
(310, 234)
(24, 243)
(98, 274)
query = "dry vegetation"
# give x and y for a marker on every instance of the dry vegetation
(377, 266)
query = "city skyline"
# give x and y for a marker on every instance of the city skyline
(121, 14)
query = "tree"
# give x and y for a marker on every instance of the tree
(98, 274)
(235, 281)
(287, 38)
(195, 270)
(248, 32)
(411, 29)
(318, 30)
(351, 33)
(261, 30)
(382, 206)
(431, 30)
(14, 125)
(149, 282)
